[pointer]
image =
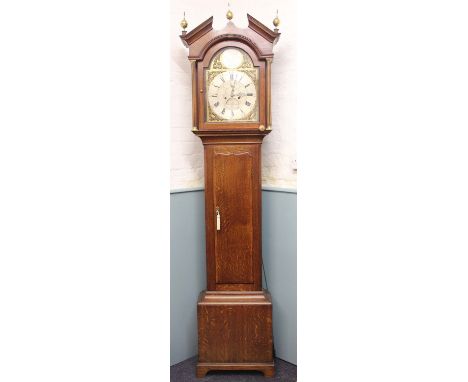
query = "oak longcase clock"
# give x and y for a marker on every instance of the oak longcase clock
(231, 98)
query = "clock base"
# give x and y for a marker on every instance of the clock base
(268, 369)
(235, 331)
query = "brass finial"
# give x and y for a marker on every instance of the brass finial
(229, 14)
(276, 20)
(184, 23)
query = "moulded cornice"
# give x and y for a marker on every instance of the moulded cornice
(259, 37)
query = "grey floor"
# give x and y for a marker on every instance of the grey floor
(185, 372)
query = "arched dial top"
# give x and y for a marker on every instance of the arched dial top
(232, 87)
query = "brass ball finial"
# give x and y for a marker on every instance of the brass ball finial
(276, 20)
(229, 14)
(184, 23)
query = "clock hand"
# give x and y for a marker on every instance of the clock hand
(240, 95)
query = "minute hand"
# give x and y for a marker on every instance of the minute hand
(239, 95)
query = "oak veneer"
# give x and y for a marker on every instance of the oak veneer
(235, 332)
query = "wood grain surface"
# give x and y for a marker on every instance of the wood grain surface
(235, 330)
(233, 199)
(233, 185)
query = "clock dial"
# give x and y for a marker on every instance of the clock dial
(232, 95)
(231, 83)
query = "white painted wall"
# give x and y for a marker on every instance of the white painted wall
(279, 147)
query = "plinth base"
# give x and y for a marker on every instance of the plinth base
(235, 332)
(268, 369)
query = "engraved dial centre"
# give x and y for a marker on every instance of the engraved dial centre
(232, 95)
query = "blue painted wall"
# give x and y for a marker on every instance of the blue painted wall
(188, 277)
(188, 268)
(279, 248)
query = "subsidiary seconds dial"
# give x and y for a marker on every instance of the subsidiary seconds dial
(232, 95)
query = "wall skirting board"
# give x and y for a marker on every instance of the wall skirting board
(188, 268)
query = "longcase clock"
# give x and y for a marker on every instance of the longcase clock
(231, 98)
